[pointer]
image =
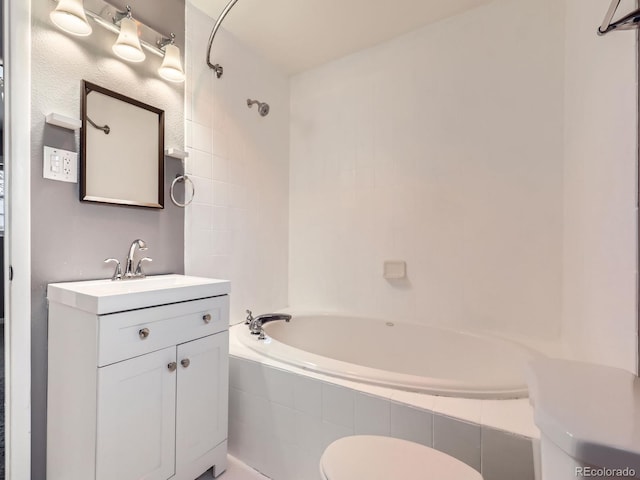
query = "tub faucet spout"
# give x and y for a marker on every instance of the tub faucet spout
(256, 323)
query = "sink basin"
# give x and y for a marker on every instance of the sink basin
(107, 296)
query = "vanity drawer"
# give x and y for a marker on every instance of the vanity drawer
(129, 334)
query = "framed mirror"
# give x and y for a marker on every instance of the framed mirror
(121, 149)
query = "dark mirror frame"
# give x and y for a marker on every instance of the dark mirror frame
(88, 87)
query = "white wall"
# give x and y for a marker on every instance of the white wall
(237, 226)
(443, 148)
(599, 308)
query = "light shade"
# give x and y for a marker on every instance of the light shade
(127, 45)
(69, 16)
(171, 68)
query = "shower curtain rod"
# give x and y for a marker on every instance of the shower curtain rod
(625, 23)
(217, 68)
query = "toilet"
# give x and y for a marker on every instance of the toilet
(589, 420)
(373, 457)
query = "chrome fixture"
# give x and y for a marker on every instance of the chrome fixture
(249, 318)
(217, 68)
(117, 273)
(263, 107)
(133, 36)
(255, 325)
(139, 273)
(105, 128)
(625, 23)
(129, 272)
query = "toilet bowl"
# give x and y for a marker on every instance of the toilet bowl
(374, 457)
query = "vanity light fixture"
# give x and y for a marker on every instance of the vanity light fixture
(127, 45)
(133, 37)
(69, 16)
(171, 68)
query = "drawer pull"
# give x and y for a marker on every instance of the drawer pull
(143, 333)
(185, 362)
(206, 318)
(172, 366)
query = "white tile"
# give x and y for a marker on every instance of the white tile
(411, 424)
(459, 439)
(220, 194)
(466, 409)
(247, 375)
(421, 400)
(220, 242)
(506, 456)
(203, 188)
(309, 433)
(220, 144)
(284, 420)
(280, 385)
(200, 163)
(515, 416)
(372, 415)
(201, 216)
(201, 137)
(220, 217)
(307, 396)
(219, 168)
(338, 405)
(332, 432)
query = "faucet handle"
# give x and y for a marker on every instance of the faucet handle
(139, 272)
(117, 273)
(249, 318)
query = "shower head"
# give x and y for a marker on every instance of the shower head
(263, 107)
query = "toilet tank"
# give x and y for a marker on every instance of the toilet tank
(589, 420)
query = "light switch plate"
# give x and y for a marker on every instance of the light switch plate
(61, 165)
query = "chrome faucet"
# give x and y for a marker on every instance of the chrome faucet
(128, 270)
(255, 325)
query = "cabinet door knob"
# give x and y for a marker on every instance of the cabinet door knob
(172, 366)
(143, 333)
(206, 318)
(185, 362)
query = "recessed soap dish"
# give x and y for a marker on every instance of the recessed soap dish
(395, 269)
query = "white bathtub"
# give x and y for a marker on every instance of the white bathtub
(411, 357)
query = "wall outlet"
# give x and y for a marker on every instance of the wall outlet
(61, 165)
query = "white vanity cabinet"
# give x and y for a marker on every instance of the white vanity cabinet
(140, 393)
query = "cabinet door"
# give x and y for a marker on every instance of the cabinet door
(136, 418)
(203, 397)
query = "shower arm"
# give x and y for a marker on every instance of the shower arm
(625, 23)
(217, 68)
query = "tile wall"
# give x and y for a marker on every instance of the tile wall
(236, 227)
(280, 423)
(428, 149)
(600, 321)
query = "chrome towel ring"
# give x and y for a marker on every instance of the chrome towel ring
(180, 179)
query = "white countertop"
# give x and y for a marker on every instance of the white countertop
(592, 412)
(108, 296)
